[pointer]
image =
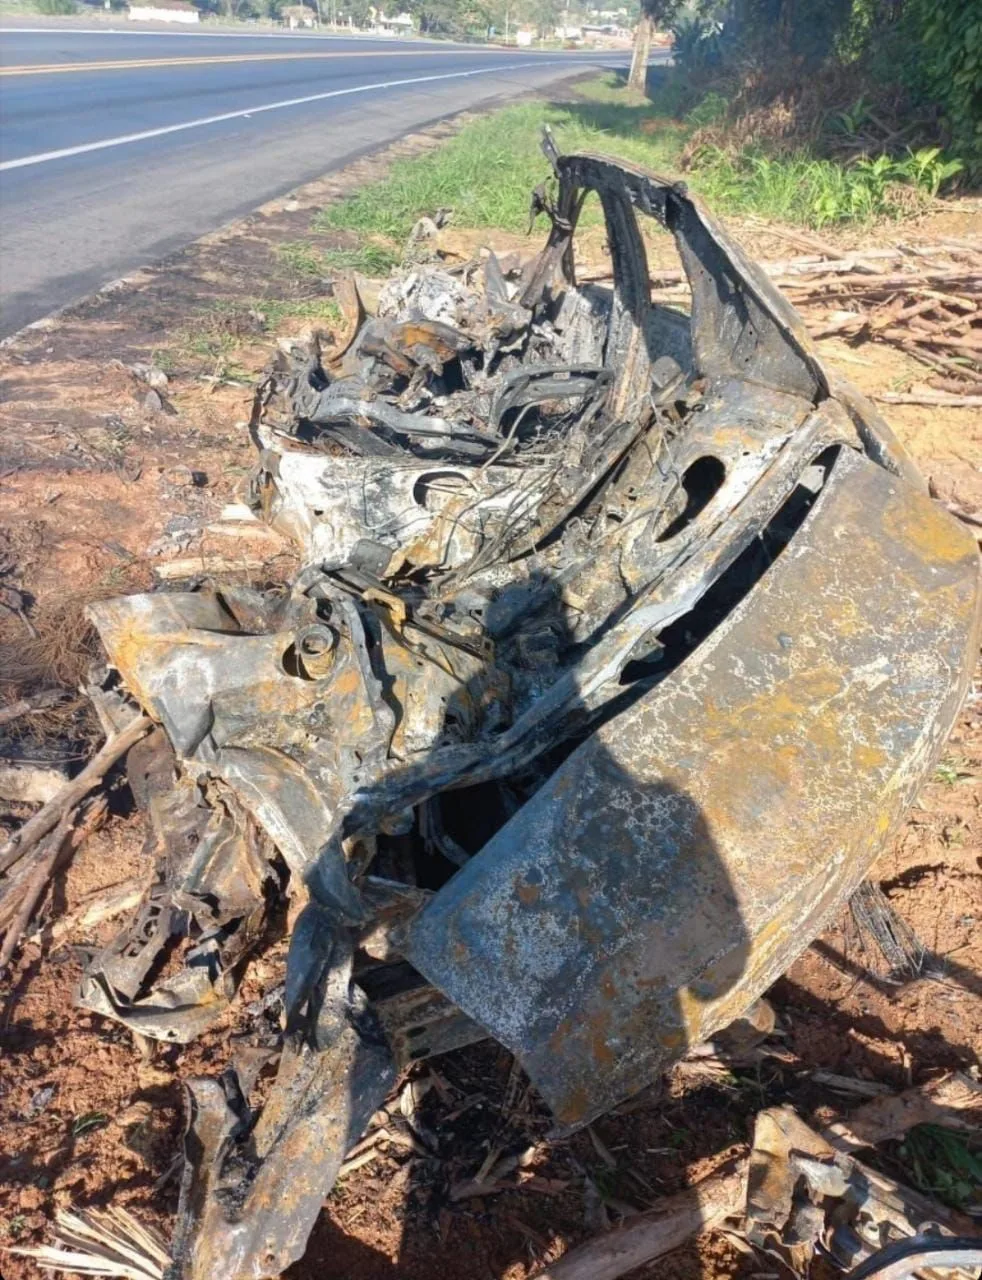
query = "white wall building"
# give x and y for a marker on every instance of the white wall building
(164, 11)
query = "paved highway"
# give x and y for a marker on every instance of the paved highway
(118, 147)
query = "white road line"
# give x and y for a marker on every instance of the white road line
(43, 157)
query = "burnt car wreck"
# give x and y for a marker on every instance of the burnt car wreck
(621, 641)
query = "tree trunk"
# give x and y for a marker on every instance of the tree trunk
(642, 50)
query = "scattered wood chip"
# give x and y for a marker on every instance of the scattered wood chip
(102, 1242)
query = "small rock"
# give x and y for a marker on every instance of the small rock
(156, 378)
(152, 401)
(181, 475)
(40, 1101)
(12, 599)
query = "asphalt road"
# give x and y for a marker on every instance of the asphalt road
(119, 147)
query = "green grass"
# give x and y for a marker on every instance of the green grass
(952, 771)
(371, 259)
(301, 257)
(945, 1164)
(218, 333)
(611, 89)
(278, 311)
(795, 188)
(91, 1120)
(486, 173)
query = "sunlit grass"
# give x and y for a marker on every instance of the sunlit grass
(485, 174)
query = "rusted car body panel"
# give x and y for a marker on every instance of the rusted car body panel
(675, 865)
(621, 640)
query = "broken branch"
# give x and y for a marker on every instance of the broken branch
(60, 842)
(657, 1232)
(51, 814)
(939, 398)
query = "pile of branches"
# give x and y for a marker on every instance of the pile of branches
(925, 300)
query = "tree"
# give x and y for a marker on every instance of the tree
(654, 13)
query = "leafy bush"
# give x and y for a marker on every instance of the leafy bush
(56, 6)
(928, 169)
(946, 68)
(925, 50)
(696, 44)
(801, 188)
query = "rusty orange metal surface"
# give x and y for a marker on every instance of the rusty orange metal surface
(680, 859)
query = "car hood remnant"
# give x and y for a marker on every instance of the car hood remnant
(622, 638)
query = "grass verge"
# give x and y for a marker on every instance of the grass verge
(486, 172)
(216, 336)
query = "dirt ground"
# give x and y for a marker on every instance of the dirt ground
(102, 483)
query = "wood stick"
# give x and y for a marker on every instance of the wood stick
(967, 517)
(195, 566)
(905, 314)
(800, 238)
(658, 1231)
(99, 906)
(869, 286)
(956, 366)
(63, 841)
(845, 268)
(937, 398)
(956, 386)
(35, 887)
(51, 814)
(935, 340)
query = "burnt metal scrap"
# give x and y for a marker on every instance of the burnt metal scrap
(808, 1197)
(622, 639)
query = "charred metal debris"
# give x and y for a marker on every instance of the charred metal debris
(622, 638)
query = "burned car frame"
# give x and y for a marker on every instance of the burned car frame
(621, 642)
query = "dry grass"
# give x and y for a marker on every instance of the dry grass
(55, 652)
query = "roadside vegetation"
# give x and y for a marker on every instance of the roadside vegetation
(56, 8)
(815, 113)
(485, 174)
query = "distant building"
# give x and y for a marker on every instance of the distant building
(400, 25)
(524, 37)
(164, 11)
(606, 35)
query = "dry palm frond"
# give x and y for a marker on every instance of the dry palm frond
(102, 1242)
